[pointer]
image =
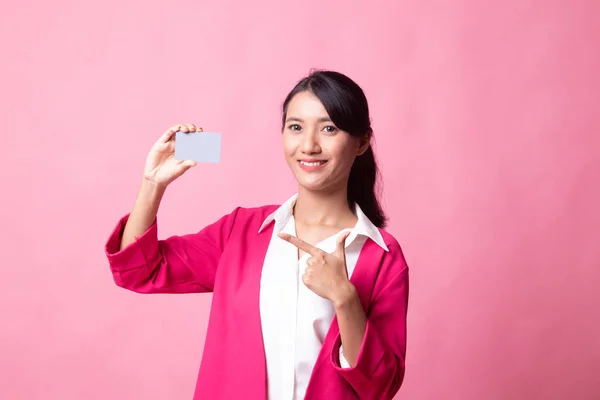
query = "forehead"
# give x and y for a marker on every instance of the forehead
(306, 105)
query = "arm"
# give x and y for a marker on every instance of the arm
(352, 322)
(144, 212)
(375, 344)
(179, 264)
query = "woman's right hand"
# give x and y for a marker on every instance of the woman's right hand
(161, 167)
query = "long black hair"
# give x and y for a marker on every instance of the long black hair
(347, 106)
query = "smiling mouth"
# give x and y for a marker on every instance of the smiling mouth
(312, 163)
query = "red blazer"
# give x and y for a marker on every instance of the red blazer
(226, 258)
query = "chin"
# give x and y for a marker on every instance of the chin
(313, 181)
(309, 184)
(315, 185)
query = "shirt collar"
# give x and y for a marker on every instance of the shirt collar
(363, 226)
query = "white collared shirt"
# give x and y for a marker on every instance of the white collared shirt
(294, 319)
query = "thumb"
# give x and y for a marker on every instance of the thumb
(341, 241)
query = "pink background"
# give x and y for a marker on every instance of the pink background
(486, 116)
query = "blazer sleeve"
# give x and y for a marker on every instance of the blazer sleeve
(380, 367)
(178, 264)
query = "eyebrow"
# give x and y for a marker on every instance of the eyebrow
(323, 119)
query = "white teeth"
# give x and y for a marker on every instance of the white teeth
(312, 164)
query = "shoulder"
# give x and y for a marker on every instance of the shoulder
(248, 217)
(394, 259)
(254, 213)
(240, 221)
(391, 242)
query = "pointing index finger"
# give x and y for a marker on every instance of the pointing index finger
(301, 244)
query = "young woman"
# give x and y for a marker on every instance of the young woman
(310, 297)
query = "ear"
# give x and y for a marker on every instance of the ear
(364, 144)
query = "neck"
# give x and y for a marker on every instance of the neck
(324, 208)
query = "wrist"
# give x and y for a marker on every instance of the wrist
(152, 190)
(344, 296)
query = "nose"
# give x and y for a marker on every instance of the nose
(310, 142)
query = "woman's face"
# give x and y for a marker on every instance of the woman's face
(318, 153)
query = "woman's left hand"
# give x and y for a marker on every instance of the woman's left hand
(326, 273)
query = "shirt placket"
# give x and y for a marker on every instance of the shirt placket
(291, 304)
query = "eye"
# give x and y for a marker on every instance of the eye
(330, 129)
(294, 127)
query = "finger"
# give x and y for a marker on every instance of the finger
(183, 166)
(191, 127)
(199, 129)
(341, 242)
(165, 137)
(190, 162)
(301, 244)
(305, 280)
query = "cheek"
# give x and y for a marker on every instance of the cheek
(290, 156)
(344, 153)
(289, 147)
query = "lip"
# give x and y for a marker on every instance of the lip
(309, 168)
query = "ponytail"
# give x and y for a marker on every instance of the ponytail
(363, 187)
